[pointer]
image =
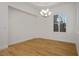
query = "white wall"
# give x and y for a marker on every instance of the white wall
(77, 27)
(4, 20)
(3, 25)
(23, 26)
(46, 24)
(24, 6)
(77, 43)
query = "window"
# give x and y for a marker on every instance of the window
(59, 23)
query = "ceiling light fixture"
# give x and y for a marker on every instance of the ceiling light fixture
(45, 13)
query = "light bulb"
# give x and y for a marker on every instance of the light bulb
(49, 13)
(45, 12)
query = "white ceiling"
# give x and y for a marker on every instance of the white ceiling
(43, 4)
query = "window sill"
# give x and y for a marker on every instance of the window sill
(59, 32)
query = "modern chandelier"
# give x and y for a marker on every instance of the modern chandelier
(45, 13)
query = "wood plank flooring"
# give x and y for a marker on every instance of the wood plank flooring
(40, 47)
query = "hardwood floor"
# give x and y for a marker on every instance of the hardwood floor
(40, 47)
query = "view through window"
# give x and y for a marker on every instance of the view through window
(59, 23)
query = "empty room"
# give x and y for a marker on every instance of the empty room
(39, 29)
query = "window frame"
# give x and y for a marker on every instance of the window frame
(59, 24)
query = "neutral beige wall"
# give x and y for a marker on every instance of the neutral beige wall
(3, 25)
